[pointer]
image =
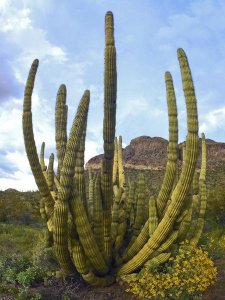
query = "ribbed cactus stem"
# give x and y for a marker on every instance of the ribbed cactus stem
(50, 173)
(203, 196)
(185, 225)
(120, 163)
(79, 180)
(109, 122)
(115, 162)
(196, 183)
(153, 215)
(42, 210)
(140, 213)
(42, 157)
(156, 261)
(130, 203)
(184, 151)
(171, 166)
(60, 125)
(86, 236)
(98, 215)
(90, 195)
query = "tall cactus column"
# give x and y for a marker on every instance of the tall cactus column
(109, 123)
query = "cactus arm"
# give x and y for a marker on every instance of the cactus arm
(90, 195)
(171, 168)
(156, 261)
(86, 237)
(94, 280)
(137, 244)
(153, 216)
(29, 141)
(79, 180)
(60, 232)
(110, 89)
(203, 196)
(120, 163)
(115, 162)
(179, 194)
(139, 219)
(98, 216)
(50, 173)
(60, 126)
(185, 225)
(79, 257)
(42, 157)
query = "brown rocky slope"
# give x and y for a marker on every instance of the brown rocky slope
(150, 153)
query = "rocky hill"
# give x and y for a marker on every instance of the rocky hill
(150, 153)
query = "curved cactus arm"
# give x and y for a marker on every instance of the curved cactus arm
(86, 236)
(109, 122)
(94, 280)
(156, 261)
(61, 209)
(203, 196)
(171, 166)
(60, 126)
(78, 256)
(137, 244)
(29, 141)
(179, 194)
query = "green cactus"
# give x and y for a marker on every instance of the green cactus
(105, 233)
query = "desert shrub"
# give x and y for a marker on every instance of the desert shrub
(185, 276)
(17, 274)
(215, 213)
(41, 254)
(214, 242)
(20, 208)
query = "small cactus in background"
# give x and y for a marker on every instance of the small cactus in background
(100, 231)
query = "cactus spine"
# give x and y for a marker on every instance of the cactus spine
(90, 232)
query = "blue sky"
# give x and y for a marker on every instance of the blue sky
(68, 39)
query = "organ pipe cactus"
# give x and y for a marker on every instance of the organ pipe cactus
(90, 225)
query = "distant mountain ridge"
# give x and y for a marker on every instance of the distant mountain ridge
(150, 153)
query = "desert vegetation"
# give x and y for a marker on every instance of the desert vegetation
(108, 227)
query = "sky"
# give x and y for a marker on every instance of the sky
(68, 39)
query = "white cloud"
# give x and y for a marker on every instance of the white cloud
(213, 121)
(20, 22)
(18, 28)
(21, 179)
(91, 149)
(4, 4)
